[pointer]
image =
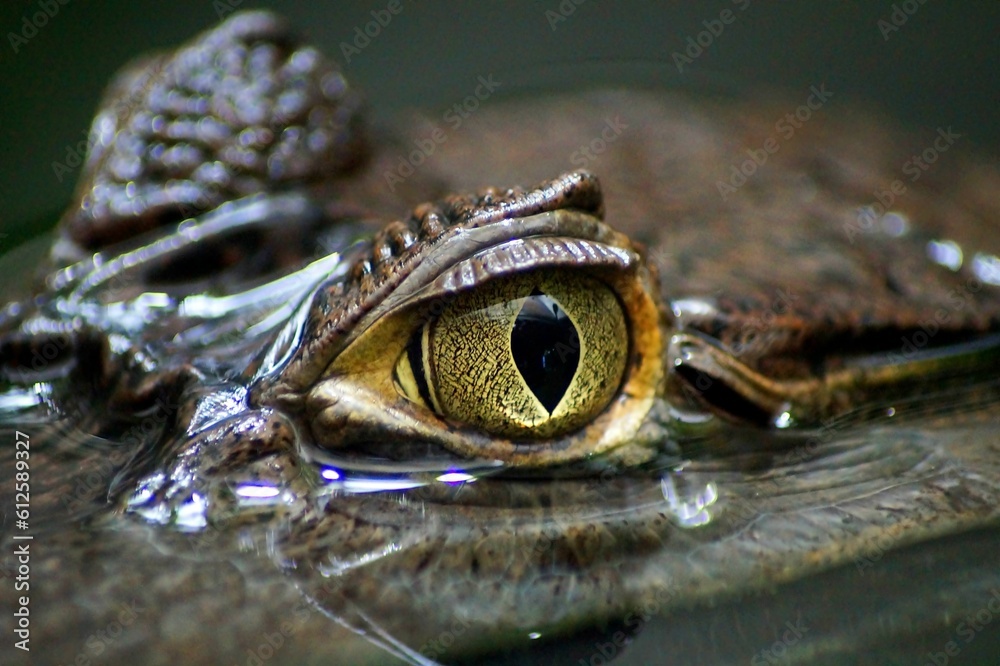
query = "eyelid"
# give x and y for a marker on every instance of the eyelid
(518, 256)
(461, 245)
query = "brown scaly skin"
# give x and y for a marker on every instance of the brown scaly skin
(190, 403)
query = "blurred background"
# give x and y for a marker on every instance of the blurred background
(941, 67)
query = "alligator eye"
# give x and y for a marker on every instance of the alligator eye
(535, 355)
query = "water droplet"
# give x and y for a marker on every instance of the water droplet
(946, 253)
(987, 268)
(784, 421)
(894, 224)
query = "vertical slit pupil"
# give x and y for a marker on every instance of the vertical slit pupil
(546, 348)
(414, 353)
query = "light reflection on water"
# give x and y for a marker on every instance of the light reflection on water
(689, 503)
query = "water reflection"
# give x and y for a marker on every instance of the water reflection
(689, 501)
(253, 491)
(946, 253)
(986, 267)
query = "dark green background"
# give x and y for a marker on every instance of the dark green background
(941, 68)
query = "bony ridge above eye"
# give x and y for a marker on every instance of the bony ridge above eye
(534, 355)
